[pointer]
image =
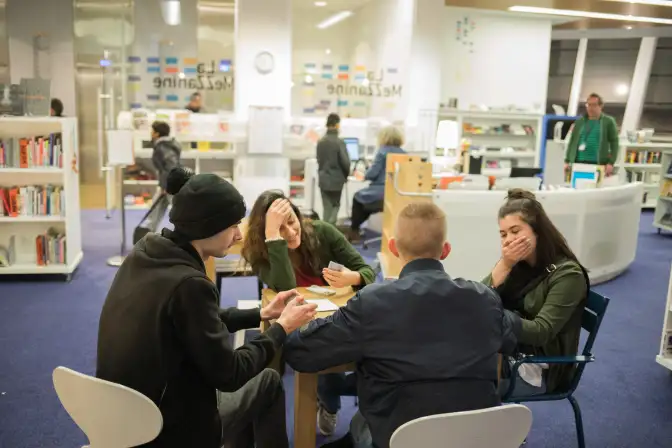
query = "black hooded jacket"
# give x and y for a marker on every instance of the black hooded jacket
(163, 334)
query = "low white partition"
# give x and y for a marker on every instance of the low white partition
(601, 226)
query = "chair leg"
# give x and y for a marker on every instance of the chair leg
(579, 421)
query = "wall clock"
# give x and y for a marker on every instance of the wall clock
(264, 62)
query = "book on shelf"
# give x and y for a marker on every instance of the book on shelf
(32, 200)
(8, 253)
(666, 189)
(643, 156)
(32, 152)
(50, 247)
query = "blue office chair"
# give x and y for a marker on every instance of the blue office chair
(596, 307)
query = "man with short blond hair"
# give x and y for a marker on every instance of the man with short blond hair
(424, 344)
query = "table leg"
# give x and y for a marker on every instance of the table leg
(305, 409)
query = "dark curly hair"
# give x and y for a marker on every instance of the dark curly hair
(254, 249)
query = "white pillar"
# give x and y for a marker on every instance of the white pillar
(577, 79)
(263, 26)
(53, 21)
(639, 84)
(423, 87)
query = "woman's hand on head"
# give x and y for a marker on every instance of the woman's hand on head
(276, 216)
(516, 250)
(341, 279)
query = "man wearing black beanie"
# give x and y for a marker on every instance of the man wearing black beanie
(163, 334)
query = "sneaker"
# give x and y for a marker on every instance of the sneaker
(326, 421)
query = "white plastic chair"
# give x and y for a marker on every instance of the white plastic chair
(111, 415)
(239, 338)
(502, 426)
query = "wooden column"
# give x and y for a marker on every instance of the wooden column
(414, 176)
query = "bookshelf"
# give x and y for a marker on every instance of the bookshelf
(642, 163)
(40, 225)
(664, 358)
(502, 139)
(662, 218)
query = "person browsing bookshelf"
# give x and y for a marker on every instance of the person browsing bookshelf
(594, 138)
(285, 250)
(162, 333)
(543, 288)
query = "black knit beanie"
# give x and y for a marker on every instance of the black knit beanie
(203, 204)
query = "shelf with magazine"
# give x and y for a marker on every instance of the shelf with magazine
(662, 219)
(641, 162)
(40, 224)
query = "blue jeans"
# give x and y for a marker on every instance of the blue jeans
(332, 386)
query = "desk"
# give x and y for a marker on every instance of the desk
(305, 384)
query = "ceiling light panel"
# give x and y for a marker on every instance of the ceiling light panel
(589, 14)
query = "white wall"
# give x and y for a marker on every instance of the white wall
(263, 25)
(54, 19)
(502, 61)
(154, 38)
(321, 47)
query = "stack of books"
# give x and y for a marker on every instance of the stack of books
(50, 248)
(643, 157)
(33, 200)
(32, 152)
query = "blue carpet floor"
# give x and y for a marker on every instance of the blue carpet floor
(625, 396)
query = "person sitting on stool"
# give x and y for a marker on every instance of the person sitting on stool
(369, 200)
(165, 157)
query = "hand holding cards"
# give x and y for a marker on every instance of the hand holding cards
(339, 276)
(336, 266)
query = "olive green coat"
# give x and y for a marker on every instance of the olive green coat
(551, 324)
(333, 246)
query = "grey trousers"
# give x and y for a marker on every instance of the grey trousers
(155, 218)
(254, 415)
(331, 204)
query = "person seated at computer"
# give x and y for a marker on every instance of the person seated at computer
(56, 108)
(543, 288)
(369, 200)
(424, 344)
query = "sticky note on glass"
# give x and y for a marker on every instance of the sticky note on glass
(323, 305)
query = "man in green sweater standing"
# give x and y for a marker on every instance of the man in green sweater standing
(594, 137)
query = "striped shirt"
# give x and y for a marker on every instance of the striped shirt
(590, 137)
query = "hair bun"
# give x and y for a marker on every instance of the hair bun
(177, 178)
(519, 193)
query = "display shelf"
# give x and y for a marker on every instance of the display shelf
(642, 163)
(43, 141)
(487, 133)
(664, 357)
(24, 219)
(662, 218)
(141, 182)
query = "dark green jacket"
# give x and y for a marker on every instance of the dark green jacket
(279, 274)
(607, 153)
(550, 324)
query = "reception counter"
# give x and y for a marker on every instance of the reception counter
(601, 226)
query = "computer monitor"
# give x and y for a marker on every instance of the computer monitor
(524, 172)
(352, 145)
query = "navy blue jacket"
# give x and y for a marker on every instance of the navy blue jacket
(424, 344)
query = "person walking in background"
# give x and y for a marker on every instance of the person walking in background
(56, 108)
(369, 200)
(166, 156)
(333, 169)
(594, 138)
